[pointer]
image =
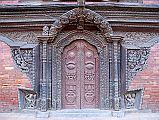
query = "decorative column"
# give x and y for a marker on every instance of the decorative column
(43, 103)
(116, 46)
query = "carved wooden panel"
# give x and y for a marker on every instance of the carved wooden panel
(80, 76)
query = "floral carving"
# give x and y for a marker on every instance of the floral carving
(138, 38)
(136, 60)
(29, 37)
(24, 60)
(77, 15)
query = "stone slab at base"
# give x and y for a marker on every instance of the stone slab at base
(118, 114)
(78, 113)
(40, 114)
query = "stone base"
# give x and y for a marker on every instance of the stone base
(118, 114)
(80, 113)
(40, 114)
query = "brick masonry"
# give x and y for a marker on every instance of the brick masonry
(10, 79)
(9, 1)
(149, 80)
(151, 1)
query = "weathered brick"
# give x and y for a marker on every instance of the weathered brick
(10, 78)
(149, 80)
(151, 1)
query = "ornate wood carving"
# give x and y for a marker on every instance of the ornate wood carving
(104, 63)
(27, 98)
(133, 99)
(136, 60)
(139, 39)
(29, 37)
(43, 102)
(80, 76)
(23, 58)
(116, 76)
(74, 16)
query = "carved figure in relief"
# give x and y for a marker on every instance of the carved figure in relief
(30, 100)
(130, 100)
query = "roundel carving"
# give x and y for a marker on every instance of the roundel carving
(70, 97)
(89, 97)
(71, 54)
(89, 54)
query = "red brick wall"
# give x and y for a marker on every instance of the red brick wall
(10, 79)
(151, 1)
(8, 1)
(149, 80)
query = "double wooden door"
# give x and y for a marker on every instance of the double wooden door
(80, 76)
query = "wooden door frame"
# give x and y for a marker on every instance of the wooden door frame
(102, 47)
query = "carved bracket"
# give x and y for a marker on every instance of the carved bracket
(23, 58)
(27, 98)
(136, 61)
(133, 99)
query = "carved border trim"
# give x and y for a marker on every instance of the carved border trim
(104, 66)
(79, 16)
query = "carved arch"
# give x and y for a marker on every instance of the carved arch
(69, 37)
(78, 15)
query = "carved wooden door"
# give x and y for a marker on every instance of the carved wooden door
(80, 86)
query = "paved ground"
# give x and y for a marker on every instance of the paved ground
(32, 116)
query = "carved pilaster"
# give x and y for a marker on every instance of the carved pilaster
(49, 75)
(116, 41)
(43, 104)
(54, 78)
(104, 80)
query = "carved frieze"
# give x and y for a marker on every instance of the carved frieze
(138, 38)
(29, 37)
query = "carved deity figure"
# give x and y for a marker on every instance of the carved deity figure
(81, 2)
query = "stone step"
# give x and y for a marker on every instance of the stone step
(81, 113)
